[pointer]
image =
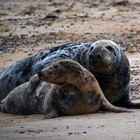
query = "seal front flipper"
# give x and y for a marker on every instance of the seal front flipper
(33, 83)
(50, 115)
(49, 108)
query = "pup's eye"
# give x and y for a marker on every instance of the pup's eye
(109, 48)
(56, 66)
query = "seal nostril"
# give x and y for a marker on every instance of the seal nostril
(95, 57)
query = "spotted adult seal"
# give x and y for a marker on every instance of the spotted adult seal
(103, 58)
(83, 96)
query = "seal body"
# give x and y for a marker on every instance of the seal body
(74, 90)
(20, 101)
(104, 59)
(21, 71)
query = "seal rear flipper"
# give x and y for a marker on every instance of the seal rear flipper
(2, 101)
(127, 103)
(2, 106)
(110, 107)
(131, 104)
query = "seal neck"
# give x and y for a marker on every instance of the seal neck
(85, 82)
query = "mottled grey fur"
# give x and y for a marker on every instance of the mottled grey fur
(104, 59)
(78, 93)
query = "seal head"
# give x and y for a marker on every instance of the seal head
(110, 66)
(103, 55)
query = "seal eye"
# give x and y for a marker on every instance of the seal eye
(109, 48)
(56, 66)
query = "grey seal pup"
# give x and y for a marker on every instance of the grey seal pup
(103, 58)
(53, 98)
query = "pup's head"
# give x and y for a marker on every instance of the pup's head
(61, 72)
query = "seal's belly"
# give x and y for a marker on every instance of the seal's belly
(81, 108)
(71, 101)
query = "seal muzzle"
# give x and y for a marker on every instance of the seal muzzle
(94, 57)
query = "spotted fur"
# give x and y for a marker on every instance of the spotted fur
(72, 90)
(104, 59)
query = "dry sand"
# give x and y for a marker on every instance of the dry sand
(29, 27)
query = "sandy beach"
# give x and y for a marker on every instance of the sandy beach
(28, 27)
